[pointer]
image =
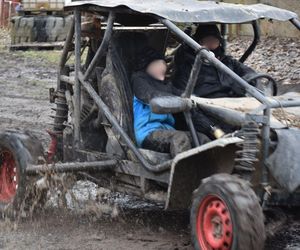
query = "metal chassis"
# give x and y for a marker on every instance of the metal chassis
(81, 81)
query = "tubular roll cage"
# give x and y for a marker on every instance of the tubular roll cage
(81, 80)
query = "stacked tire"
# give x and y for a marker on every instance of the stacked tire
(29, 29)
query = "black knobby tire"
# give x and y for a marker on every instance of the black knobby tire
(39, 29)
(226, 214)
(17, 151)
(22, 29)
(51, 28)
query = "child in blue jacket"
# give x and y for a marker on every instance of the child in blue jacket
(155, 131)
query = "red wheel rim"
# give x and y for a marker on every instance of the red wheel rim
(214, 225)
(8, 176)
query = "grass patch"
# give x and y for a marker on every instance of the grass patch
(51, 56)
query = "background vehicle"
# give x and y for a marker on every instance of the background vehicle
(93, 127)
(40, 24)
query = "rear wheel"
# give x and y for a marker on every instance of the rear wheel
(226, 214)
(17, 151)
(8, 176)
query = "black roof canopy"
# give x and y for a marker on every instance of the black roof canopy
(190, 11)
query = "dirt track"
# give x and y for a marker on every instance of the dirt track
(24, 80)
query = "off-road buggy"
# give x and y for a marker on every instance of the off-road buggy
(226, 183)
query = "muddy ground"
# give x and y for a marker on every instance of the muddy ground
(122, 222)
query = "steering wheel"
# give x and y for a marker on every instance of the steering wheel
(267, 84)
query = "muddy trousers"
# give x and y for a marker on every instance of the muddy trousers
(167, 141)
(171, 141)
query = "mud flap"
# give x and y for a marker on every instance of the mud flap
(190, 167)
(284, 162)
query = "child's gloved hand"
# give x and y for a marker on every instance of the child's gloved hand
(217, 132)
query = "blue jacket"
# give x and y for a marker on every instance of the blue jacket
(146, 122)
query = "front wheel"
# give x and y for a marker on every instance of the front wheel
(226, 214)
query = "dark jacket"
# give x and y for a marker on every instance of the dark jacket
(211, 82)
(145, 88)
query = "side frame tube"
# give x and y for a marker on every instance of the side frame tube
(77, 87)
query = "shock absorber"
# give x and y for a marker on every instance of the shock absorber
(61, 111)
(60, 117)
(247, 155)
